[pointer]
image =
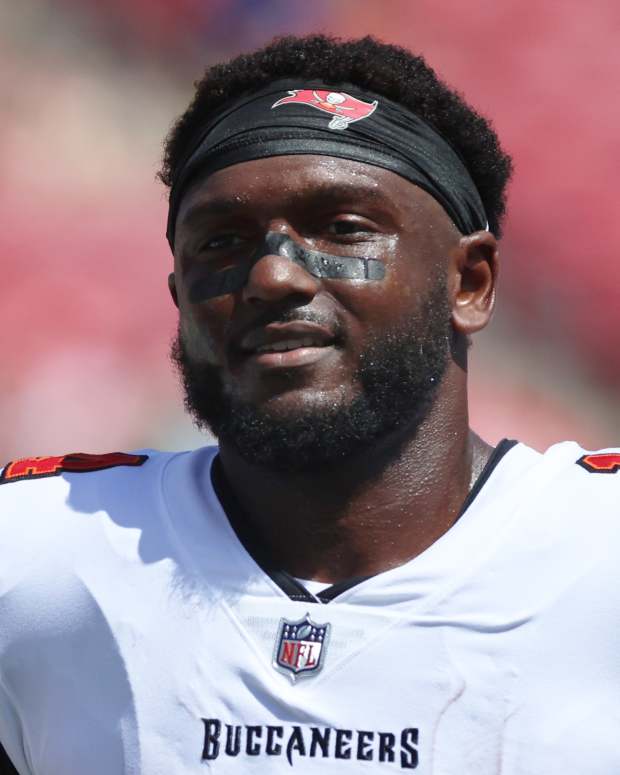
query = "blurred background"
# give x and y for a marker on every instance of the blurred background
(90, 87)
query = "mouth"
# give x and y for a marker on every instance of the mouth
(287, 345)
(296, 356)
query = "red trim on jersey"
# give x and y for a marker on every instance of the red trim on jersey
(75, 462)
(601, 462)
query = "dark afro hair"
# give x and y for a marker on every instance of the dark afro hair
(369, 64)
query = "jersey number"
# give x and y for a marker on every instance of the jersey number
(601, 463)
(76, 462)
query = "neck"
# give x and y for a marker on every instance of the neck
(369, 513)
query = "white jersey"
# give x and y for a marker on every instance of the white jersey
(139, 635)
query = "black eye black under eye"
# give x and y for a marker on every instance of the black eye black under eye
(319, 264)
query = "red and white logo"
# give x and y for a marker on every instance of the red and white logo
(300, 647)
(343, 108)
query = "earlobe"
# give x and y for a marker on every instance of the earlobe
(476, 266)
(173, 289)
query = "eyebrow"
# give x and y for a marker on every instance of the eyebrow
(318, 195)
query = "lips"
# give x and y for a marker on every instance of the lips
(286, 345)
(289, 344)
(284, 337)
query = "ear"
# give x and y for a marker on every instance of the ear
(476, 264)
(172, 287)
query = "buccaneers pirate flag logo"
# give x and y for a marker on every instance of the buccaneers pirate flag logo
(343, 108)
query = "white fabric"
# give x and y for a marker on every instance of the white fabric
(133, 623)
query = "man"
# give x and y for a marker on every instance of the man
(353, 581)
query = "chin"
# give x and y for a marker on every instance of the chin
(297, 402)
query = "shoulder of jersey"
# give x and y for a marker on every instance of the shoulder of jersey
(42, 495)
(603, 461)
(54, 506)
(586, 474)
(48, 479)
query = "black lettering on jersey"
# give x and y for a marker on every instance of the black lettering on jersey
(251, 747)
(320, 739)
(343, 743)
(272, 748)
(233, 740)
(600, 462)
(295, 741)
(296, 744)
(6, 765)
(364, 745)
(211, 746)
(387, 741)
(408, 751)
(76, 462)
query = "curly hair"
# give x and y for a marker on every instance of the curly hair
(369, 64)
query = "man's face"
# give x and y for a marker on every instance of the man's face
(294, 370)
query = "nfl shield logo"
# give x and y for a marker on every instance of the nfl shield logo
(300, 647)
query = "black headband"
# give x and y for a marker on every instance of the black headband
(287, 117)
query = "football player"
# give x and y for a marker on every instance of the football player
(352, 580)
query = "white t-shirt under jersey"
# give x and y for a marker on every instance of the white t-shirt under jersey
(138, 635)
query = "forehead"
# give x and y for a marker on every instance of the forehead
(307, 180)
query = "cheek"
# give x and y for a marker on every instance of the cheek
(385, 304)
(204, 328)
(412, 267)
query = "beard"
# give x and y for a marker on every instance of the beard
(398, 375)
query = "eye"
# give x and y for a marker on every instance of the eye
(222, 242)
(344, 227)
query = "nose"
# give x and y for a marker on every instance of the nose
(275, 278)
